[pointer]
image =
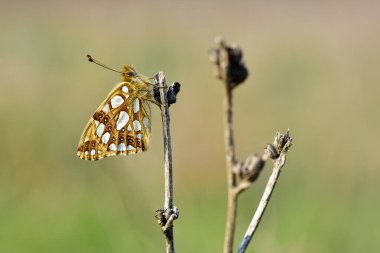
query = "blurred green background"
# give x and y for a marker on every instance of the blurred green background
(314, 68)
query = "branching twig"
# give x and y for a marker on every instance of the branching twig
(240, 175)
(282, 143)
(232, 72)
(167, 215)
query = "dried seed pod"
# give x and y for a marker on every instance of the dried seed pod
(171, 93)
(251, 168)
(229, 62)
(272, 152)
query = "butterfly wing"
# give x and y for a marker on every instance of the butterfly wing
(120, 126)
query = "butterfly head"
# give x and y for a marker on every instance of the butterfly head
(128, 71)
(140, 82)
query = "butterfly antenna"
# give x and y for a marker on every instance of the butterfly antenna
(90, 59)
(145, 78)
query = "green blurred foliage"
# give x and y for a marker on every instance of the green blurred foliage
(313, 69)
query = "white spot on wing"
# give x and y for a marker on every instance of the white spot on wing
(130, 147)
(100, 129)
(129, 128)
(121, 147)
(136, 125)
(112, 147)
(122, 121)
(106, 108)
(86, 139)
(106, 137)
(116, 101)
(136, 105)
(86, 153)
(92, 151)
(139, 136)
(146, 123)
(125, 90)
(96, 123)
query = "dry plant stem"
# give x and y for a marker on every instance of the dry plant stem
(168, 205)
(241, 175)
(279, 163)
(231, 178)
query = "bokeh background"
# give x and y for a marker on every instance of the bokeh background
(314, 68)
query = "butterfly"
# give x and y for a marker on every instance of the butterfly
(121, 124)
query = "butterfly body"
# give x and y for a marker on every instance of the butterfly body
(121, 124)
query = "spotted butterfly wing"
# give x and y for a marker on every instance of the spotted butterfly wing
(121, 124)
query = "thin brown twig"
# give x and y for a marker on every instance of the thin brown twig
(231, 177)
(225, 68)
(167, 215)
(240, 175)
(278, 164)
(222, 61)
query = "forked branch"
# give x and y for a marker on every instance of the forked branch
(240, 175)
(277, 152)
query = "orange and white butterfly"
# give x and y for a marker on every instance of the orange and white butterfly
(121, 124)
